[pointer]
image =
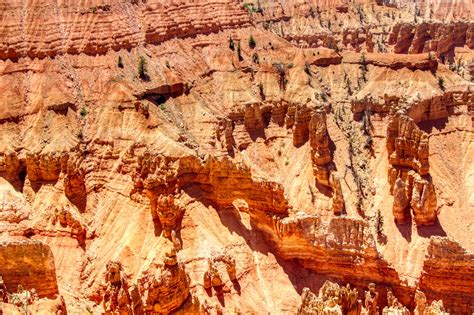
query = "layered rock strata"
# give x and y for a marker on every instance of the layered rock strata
(29, 264)
(409, 179)
(449, 272)
(323, 166)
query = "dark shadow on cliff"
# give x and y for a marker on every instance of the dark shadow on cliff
(433, 230)
(230, 217)
(220, 294)
(80, 201)
(405, 228)
(429, 125)
(257, 133)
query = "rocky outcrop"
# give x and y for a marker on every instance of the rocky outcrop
(168, 211)
(409, 179)
(165, 288)
(442, 106)
(422, 61)
(116, 297)
(29, 264)
(425, 37)
(218, 180)
(69, 218)
(323, 167)
(162, 288)
(332, 299)
(212, 277)
(225, 145)
(439, 106)
(18, 305)
(115, 25)
(329, 247)
(422, 307)
(437, 9)
(448, 275)
(394, 306)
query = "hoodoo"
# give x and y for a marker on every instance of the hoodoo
(237, 157)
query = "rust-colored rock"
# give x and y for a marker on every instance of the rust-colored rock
(407, 146)
(219, 156)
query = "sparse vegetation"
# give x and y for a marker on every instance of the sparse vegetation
(255, 58)
(280, 67)
(363, 67)
(119, 62)
(103, 8)
(366, 122)
(348, 83)
(323, 96)
(239, 52)
(358, 157)
(83, 112)
(142, 68)
(361, 14)
(251, 8)
(252, 42)
(307, 68)
(441, 84)
(261, 91)
(379, 223)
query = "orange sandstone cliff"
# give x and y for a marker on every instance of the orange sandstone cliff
(222, 157)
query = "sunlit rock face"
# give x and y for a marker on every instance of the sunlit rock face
(221, 157)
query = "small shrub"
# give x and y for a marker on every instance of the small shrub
(259, 8)
(280, 67)
(323, 96)
(167, 64)
(307, 68)
(83, 112)
(142, 68)
(231, 44)
(261, 91)
(363, 67)
(255, 58)
(379, 223)
(441, 84)
(252, 42)
(239, 52)
(119, 62)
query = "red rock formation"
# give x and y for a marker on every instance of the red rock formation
(29, 264)
(424, 37)
(410, 182)
(332, 299)
(116, 297)
(322, 161)
(232, 146)
(448, 273)
(113, 26)
(166, 288)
